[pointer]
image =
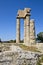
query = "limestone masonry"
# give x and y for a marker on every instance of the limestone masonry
(29, 27)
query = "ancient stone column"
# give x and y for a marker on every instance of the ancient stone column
(25, 14)
(24, 31)
(18, 31)
(32, 32)
(27, 29)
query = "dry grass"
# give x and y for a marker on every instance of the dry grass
(41, 59)
(29, 48)
(24, 47)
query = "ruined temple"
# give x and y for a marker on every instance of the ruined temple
(29, 27)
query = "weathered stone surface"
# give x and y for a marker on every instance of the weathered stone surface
(18, 31)
(40, 46)
(24, 31)
(27, 30)
(32, 32)
(17, 56)
(23, 13)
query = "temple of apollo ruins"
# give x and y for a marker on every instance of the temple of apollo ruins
(29, 27)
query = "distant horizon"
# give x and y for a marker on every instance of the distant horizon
(8, 13)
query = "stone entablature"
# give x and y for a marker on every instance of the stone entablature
(23, 13)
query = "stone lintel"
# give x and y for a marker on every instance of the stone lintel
(23, 13)
(23, 17)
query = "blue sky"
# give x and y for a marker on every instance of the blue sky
(8, 13)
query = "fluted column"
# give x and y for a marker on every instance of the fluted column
(27, 29)
(24, 31)
(18, 31)
(32, 32)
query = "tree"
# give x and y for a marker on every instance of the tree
(0, 39)
(40, 36)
